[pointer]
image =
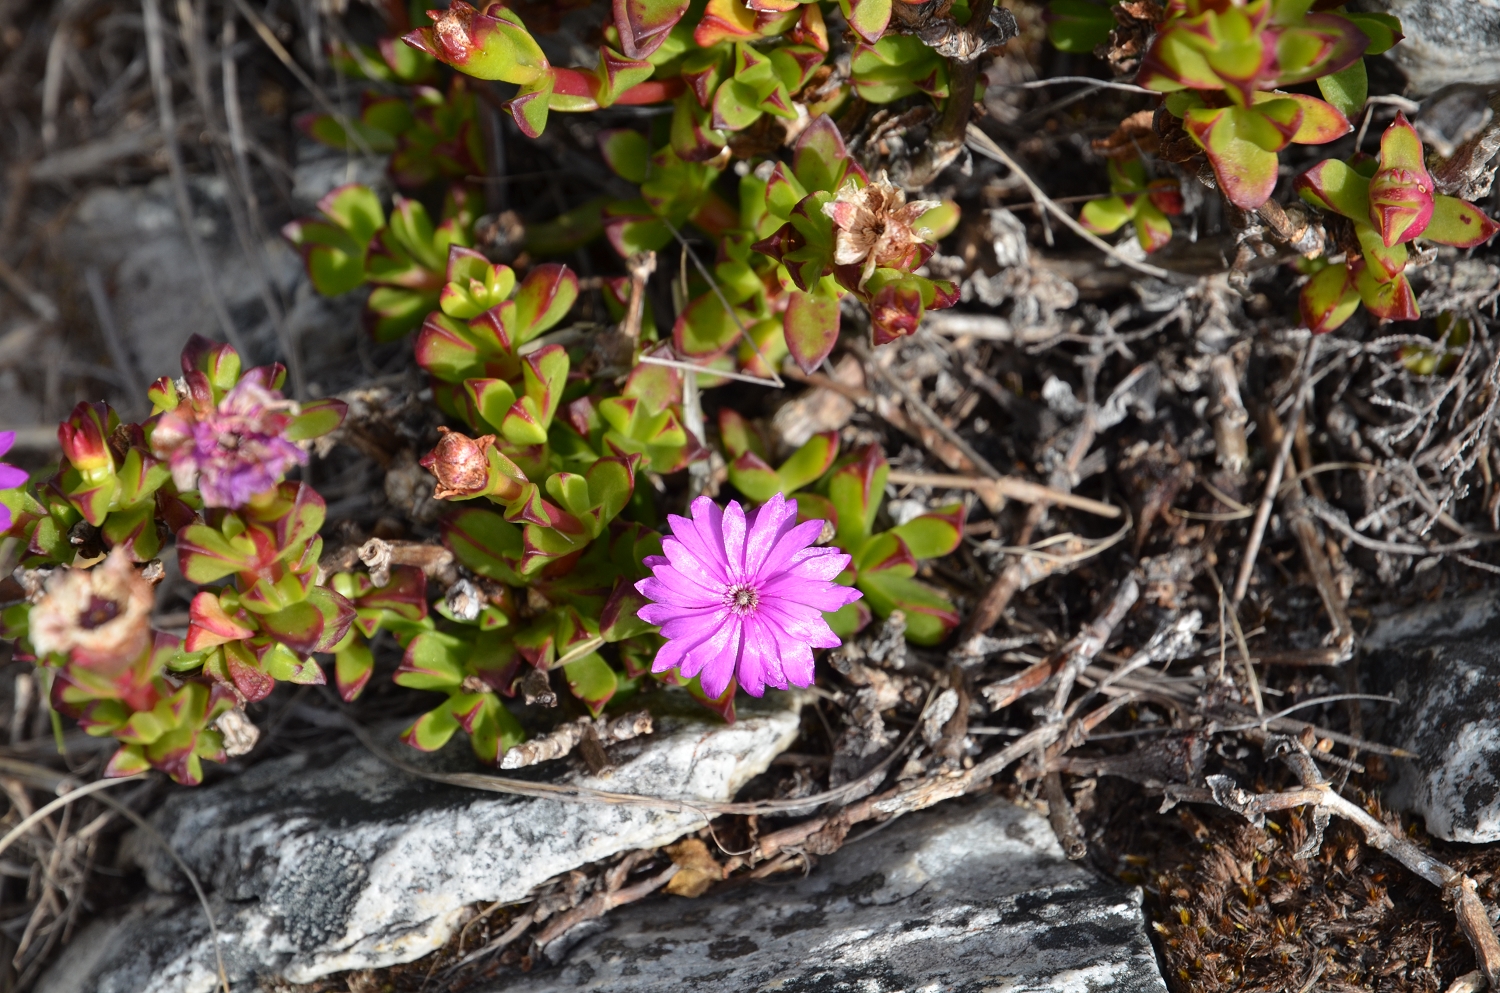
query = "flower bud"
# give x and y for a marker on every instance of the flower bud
(1401, 191)
(489, 45)
(471, 467)
(84, 438)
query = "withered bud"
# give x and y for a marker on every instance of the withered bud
(460, 463)
(100, 618)
(240, 736)
(464, 600)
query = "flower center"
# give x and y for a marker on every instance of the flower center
(742, 599)
(98, 613)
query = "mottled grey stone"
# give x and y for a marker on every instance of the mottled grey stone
(1447, 41)
(971, 896)
(319, 864)
(1442, 661)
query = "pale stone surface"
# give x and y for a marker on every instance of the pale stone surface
(971, 896)
(1442, 661)
(1450, 717)
(318, 865)
(1447, 41)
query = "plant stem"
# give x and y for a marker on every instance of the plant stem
(949, 134)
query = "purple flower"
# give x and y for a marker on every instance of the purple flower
(233, 452)
(744, 597)
(10, 476)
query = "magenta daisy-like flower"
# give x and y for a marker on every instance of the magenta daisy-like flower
(231, 452)
(743, 597)
(10, 476)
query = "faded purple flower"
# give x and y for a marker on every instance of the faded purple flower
(10, 476)
(743, 597)
(233, 452)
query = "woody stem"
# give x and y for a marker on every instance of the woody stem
(963, 78)
(949, 133)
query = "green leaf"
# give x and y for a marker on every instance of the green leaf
(352, 666)
(868, 18)
(1459, 223)
(592, 681)
(432, 730)
(1383, 30)
(932, 535)
(930, 615)
(1347, 89)
(811, 326)
(1331, 185)
(1236, 140)
(705, 328)
(857, 489)
(753, 477)
(433, 661)
(627, 152)
(1328, 299)
(820, 158)
(315, 419)
(544, 298)
(355, 208)
(485, 542)
(206, 556)
(1105, 216)
(808, 463)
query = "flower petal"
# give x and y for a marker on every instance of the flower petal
(760, 660)
(670, 587)
(11, 477)
(734, 540)
(821, 596)
(796, 661)
(767, 524)
(702, 536)
(692, 569)
(812, 631)
(789, 545)
(694, 625)
(715, 660)
(7, 439)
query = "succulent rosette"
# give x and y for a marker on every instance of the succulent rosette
(1222, 63)
(1391, 201)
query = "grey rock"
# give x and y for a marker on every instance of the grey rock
(134, 236)
(972, 895)
(1447, 41)
(1437, 618)
(1443, 663)
(319, 865)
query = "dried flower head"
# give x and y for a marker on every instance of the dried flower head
(100, 617)
(10, 476)
(232, 452)
(460, 463)
(743, 597)
(875, 225)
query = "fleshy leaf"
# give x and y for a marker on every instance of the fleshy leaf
(1347, 89)
(1334, 186)
(1235, 139)
(645, 24)
(1328, 299)
(811, 326)
(1459, 223)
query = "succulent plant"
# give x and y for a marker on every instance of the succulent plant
(1390, 202)
(1222, 63)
